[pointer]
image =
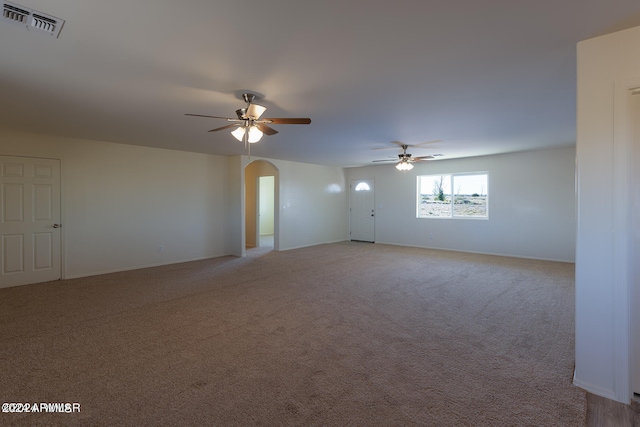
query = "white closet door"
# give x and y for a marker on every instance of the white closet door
(29, 220)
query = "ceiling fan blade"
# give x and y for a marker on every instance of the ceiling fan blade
(255, 111)
(288, 121)
(388, 160)
(223, 127)
(398, 143)
(266, 129)
(425, 143)
(212, 117)
(423, 158)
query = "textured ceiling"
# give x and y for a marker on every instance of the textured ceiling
(484, 77)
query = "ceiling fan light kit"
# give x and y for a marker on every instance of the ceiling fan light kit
(254, 134)
(404, 166)
(238, 133)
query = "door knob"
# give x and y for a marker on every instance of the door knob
(57, 225)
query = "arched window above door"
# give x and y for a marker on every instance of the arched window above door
(363, 186)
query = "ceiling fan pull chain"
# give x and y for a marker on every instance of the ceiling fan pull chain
(247, 146)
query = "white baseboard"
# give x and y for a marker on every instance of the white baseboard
(481, 252)
(597, 390)
(312, 244)
(118, 270)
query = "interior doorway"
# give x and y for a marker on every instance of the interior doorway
(261, 200)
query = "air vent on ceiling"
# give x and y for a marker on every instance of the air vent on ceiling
(31, 19)
(14, 14)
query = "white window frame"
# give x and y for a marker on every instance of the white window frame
(452, 196)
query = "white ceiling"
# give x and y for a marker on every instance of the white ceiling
(483, 76)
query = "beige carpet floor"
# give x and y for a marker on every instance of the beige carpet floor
(346, 334)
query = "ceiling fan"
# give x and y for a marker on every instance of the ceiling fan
(249, 126)
(405, 159)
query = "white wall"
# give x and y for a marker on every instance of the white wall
(234, 194)
(531, 206)
(312, 204)
(635, 245)
(120, 202)
(608, 67)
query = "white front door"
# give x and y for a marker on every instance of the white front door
(362, 210)
(30, 220)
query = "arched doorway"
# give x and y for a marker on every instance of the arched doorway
(261, 200)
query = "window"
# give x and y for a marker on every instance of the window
(453, 196)
(363, 186)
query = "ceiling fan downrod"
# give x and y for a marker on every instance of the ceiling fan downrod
(248, 97)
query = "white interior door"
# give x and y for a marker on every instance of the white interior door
(30, 220)
(635, 243)
(362, 210)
